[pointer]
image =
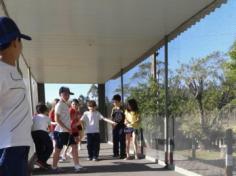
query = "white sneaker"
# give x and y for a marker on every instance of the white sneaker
(77, 169)
(79, 166)
(62, 159)
(69, 155)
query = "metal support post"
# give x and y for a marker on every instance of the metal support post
(41, 92)
(229, 151)
(122, 85)
(166, 120)
(102, 109)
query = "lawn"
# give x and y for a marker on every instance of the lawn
(203, 154)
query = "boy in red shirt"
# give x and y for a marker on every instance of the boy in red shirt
(76, 128)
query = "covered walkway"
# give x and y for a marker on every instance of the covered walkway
(100, 42)
(110, 166)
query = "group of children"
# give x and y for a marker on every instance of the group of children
(128, 123)
(67, 124)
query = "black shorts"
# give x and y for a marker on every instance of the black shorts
(63, 138)
(130, 130)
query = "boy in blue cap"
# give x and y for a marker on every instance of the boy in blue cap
(15, 114)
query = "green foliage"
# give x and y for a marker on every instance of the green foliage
(147, 98)
(198, 92)
(230, 66)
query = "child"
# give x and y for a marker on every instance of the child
(118, 116)
(75, 127)
(62, 132)
(75, 114)
(42, 140)
(132, 121)
(91, 119)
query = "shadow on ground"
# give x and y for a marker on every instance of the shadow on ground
(116, 166)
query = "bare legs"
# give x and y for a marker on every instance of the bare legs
(132, 136)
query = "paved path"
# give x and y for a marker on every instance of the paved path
(109, 166)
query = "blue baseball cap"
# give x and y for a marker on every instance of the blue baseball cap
(9, 31)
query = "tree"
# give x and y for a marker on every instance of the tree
(93, 92)
(230, 74)
(203, 78)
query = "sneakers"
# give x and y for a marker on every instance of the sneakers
(78, 168)
(57, 170)
(128, 158)
(62, 159)
(95, 159)
(69, 155)
(43, 165)
(122, 157)
(115, 156)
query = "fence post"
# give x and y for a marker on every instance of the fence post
(193, 148)
(229, 151)
(142, 141)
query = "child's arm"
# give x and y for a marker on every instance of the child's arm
(109, 121)
(53, 123)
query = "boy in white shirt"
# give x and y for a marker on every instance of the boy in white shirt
(15, 113)
(40, 134)
(91, 120)
(62, 133)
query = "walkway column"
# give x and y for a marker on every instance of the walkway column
(122, 86)
(166, 119)
(102, 110)
(41, 93)
(31, 91)
(169, 125)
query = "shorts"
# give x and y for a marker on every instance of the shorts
(63, 138)
(75, 134)
(14, 161)
(130, 130)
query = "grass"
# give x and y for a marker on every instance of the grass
(203, 154)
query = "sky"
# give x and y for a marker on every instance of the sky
(215, 32)
(51, 90)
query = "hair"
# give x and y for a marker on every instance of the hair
(116, 97)
(5, 46)
(56, 100)
(91, 103)
(133, 105)
(75, 101)
(41, 108)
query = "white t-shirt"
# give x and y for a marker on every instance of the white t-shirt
(15, 114)
(62, 110)
(41, 122)
(91, 120)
